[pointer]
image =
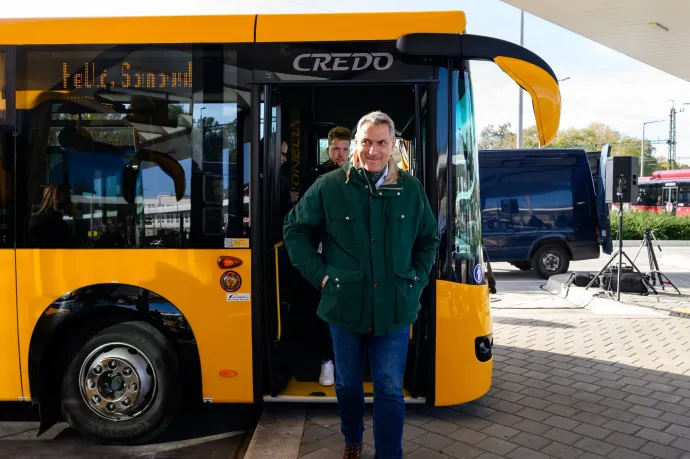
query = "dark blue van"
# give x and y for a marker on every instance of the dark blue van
(539, 208)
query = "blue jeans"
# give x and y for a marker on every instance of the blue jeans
(388, 356)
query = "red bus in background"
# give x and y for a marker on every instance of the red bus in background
(665, 191)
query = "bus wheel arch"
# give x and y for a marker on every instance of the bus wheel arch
(550, 256)
(87, 311)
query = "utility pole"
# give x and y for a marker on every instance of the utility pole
(672, 138)
(672, 135)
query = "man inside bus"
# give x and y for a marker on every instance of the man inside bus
(338, 152)
(338, 149)
(339, 139)
(379, 242)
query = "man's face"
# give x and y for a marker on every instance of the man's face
(374, 146)
(338, 151)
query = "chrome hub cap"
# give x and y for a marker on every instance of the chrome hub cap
(117, 382)
(550, 262)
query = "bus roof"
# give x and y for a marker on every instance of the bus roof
(227, 28)
(669, 175)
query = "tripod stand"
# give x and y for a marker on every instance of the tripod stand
(654, 271)
(620, 253)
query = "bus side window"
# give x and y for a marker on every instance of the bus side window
(684, 195)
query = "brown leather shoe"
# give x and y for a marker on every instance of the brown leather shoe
(352, 452)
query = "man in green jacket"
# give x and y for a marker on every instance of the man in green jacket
(379, 241)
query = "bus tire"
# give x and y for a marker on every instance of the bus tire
(550, 260)
(121, 385)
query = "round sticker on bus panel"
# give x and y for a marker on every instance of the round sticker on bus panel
(478, 273)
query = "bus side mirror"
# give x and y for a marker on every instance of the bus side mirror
(165, 162)
(524, 67)
(129, 182)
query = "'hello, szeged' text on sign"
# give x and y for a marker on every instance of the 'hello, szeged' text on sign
(88, 77)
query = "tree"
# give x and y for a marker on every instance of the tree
(497, 138)
(590, 138)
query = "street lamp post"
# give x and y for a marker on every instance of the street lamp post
(642, 148)
(522, 43)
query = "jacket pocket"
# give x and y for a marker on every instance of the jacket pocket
(341, 297)
(408, 291)
(402, 228)
(342, 225)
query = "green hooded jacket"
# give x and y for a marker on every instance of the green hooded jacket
(378, 247)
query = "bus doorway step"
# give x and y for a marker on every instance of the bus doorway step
(279, 433)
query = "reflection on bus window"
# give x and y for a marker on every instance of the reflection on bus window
(465, 186)
(149, 155)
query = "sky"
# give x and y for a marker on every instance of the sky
(604, 86)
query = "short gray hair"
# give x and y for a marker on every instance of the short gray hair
(377, 118)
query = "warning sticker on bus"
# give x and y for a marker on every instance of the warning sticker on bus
(238, 296)
(236, 243)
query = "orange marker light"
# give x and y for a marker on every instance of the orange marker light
(226, 262)
(228, 373)
(230, 281)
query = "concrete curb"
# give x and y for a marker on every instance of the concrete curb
(278, 434)
(598, 305)
(637, 242)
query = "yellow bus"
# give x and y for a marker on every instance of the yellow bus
(143, 189)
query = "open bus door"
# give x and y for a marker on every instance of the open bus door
(10, 379)
(300, 116)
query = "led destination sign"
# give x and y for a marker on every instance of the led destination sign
(123, 76)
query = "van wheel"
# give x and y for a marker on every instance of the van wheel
(122, 385)
(550, 260)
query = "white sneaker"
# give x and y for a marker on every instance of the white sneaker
(327, 377)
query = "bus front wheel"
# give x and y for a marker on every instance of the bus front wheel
(121, 385)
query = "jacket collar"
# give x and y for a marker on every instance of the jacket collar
(393, 181)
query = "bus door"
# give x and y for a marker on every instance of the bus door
(294, 123)
(10, 378)
(669, 198)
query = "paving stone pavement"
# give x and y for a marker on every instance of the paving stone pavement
(565, 386)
